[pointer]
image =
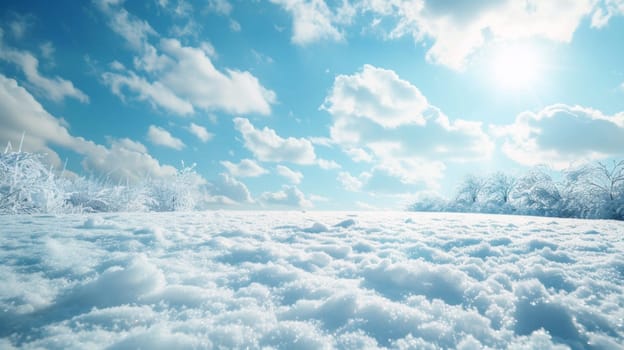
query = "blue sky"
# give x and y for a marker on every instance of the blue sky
(313, 104)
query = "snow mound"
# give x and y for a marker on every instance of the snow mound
(317, 227)
(251, 280)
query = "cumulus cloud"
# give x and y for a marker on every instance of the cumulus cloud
(268, 146)
(378, 95)
(228, 190)
(245, 168)
(359, 155)
(162, 137)
(288, 196)
(21, 113)
(312, 21)
(559, 135)
(456, 29)
(124, 159)
(349, 182)
(459, 28)
(200, 132)
(385, 120)
(195, 78)
(293, 176)
(55, 88)
(180, 78)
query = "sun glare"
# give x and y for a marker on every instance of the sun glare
(516, 67)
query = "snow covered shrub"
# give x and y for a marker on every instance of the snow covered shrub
(93, 195)
(27, 185)
(430, 202)
(182, 192)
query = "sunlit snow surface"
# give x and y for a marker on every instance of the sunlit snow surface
(295, 280)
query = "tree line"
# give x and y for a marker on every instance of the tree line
(593, 190)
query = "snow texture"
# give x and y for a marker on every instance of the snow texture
(295, 280)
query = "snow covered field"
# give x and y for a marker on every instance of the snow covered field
(296, 280)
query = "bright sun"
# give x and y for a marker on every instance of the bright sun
(516, 67)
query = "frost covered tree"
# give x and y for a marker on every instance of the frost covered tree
(597, 190)
(469, 190)
(536, 193)
(497, 193)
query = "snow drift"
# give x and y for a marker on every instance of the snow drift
(310, 281)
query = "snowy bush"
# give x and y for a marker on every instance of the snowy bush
(27, 185)
(93, 195)
(183, 192)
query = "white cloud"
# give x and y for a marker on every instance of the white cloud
(162, 137)
(157, 94)
(400, 181)
(181, 78)
(55, 89)
(359, 155)
(349, 182)
(221, 7)
(560, 135)
(381, 118)
(288, 196)
(293, 176)
(19, 24)
(312, 21)
(124, 159)
(317, 198)
(606, 10)
(47, 50)
(229, 190)
(328, 164)
(456, 29)
(134, 30)
(245, 168)
(235, 26)
(459, 28)
(261, 58)
(267, 146)
(21, 113)
(194, 78)
(378, 95)
(209, 49)
(202, 134)
(116, 65)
